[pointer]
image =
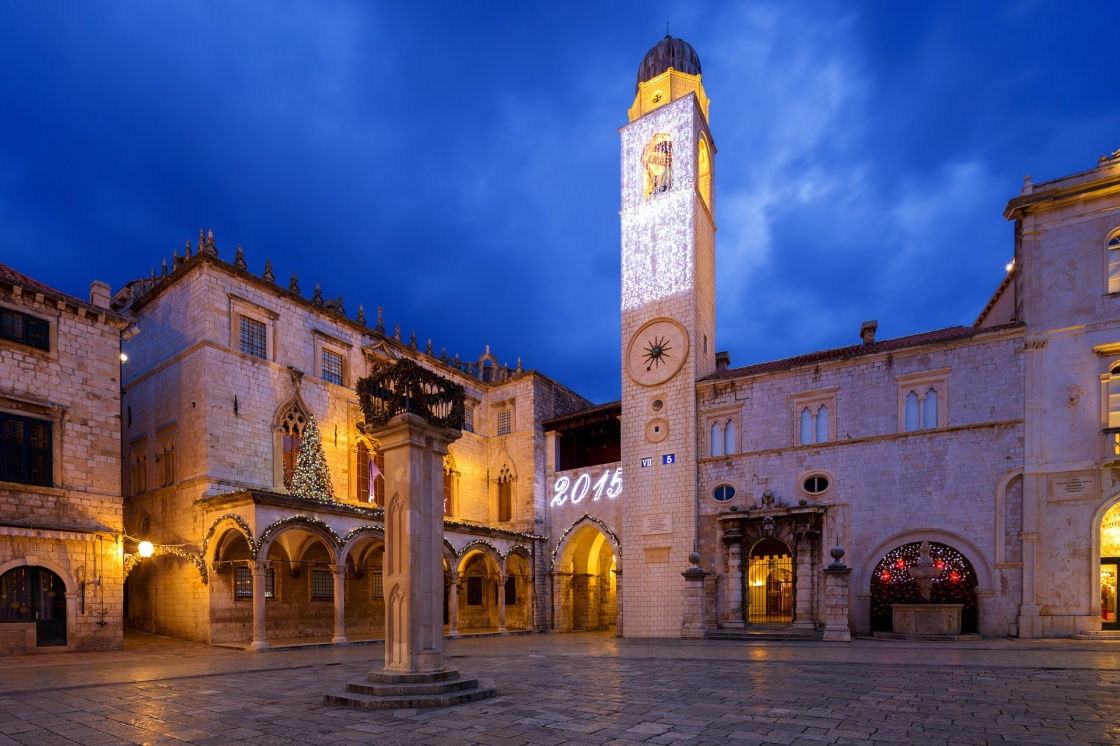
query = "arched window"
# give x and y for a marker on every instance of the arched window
(717, 440)
(729, 444)
(449, 475)
(929, 410)
(806, 427)
(1114, 264)
(658, 164)
(912, 420)
(371, 475)
(822, 424)
(1114, 396)
(505, 495)
(35, 594)
(704, 175)
(292, 426)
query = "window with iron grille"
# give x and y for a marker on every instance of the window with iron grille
(27, 455)
(243, 583)
(474, 591)
(253, 338)
(322, 584)
(468, 418)
(511, 591)
(504, 422)
(377, 583)
(332, 367)
(20, 327)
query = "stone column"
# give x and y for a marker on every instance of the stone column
(594, 602)
(618, 603)
(71, 619)
(453, 607)
(734, 618)
(692, 625)
(836, 591)
(711, 600)
(803, 603)
(414, 451)
(339, 572)
(260, 574)
(531, 601)
(562, 612)
(502, 604)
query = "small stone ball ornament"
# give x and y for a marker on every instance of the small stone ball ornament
(837, 553)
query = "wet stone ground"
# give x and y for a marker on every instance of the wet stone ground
(586, 688)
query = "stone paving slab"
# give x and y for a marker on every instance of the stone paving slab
(581, 688)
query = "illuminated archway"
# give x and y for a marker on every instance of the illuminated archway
(1109, 528)
(770, 583)
(891, 583)
(585, 584)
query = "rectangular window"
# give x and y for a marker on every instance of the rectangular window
(332, 367)
(166, 458)
(322, 584)
(243, 583)
(377, 582)
(26, 455)
(253, 338)
(20, 327)
(511, 591)
(474, 591)
(504, 422)
(468, 418)
(139, 470)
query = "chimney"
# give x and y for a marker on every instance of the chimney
(99, 294)
(723, 360)
(867, 332)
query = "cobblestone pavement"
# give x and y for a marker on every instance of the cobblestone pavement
(585, 688)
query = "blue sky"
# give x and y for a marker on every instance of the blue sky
(457, 163)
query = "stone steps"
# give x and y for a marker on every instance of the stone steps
(765, 632)
(1098, 634)
(392, 691)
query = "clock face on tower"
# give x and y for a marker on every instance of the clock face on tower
(656, 352)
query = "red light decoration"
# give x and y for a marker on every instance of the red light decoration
(901, 564)
(886, 576)
(954, 576)
(939, 564)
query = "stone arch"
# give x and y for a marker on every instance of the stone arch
(583, 520)
(358, 535)
(479, 546)
(980, 564)
(321, 530)
(1095, 548)
(35, 561)
(237, 523)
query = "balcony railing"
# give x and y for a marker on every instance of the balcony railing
(407, 387)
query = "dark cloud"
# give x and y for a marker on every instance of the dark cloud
(457, 163)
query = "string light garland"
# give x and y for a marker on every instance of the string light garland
(134, 559)
(298, 520)
(602, 526)
(312, 479)
(891, 583)
(241, 524)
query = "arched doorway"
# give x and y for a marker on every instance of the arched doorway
(891, 583)
(35, 594)
(587, 569)
(770, 583)
(479, 574)
(1110, 567)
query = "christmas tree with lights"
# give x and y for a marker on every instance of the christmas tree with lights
(312, 479)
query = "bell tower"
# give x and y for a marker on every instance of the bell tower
(668, 329)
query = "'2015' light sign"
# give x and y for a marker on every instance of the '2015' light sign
(608, 485)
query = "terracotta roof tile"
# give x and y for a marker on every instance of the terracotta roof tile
(11, 276)
(937, 336)
(581, 413)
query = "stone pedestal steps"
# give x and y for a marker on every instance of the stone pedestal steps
(765, 632)
(384, 690)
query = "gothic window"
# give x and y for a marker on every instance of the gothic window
(21, 327)
(813, 417)
(1114, 264)
(922, 401)
(657, 163)
(253, 338)
(704, 179)
(139, 458)
(292, 427)
(730, 445)
(166, 461)
(27, 455)
(505, 495)
(717, 440)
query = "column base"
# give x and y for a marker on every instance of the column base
(338, 640)
(837, 633)
(258, 646)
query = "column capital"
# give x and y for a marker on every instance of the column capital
(259, 567)
(338, 570)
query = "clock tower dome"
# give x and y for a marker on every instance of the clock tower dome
(668, 329)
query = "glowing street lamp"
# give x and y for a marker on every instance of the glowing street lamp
(145, 549)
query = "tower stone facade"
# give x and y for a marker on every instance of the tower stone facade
(668, 328)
